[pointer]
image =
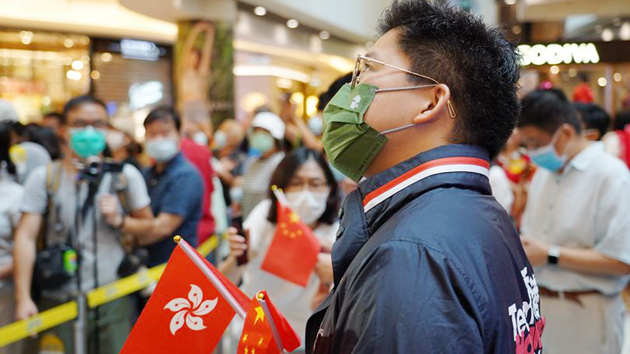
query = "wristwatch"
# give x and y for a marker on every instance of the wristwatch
(553, 254)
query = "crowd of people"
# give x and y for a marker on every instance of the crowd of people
(83, 204)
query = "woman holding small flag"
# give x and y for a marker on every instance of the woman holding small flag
(287, 237)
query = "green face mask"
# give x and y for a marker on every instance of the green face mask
(87, 142)
(349, 142)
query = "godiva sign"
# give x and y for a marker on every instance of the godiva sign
(553, 54)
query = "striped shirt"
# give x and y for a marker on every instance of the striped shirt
(256, 181)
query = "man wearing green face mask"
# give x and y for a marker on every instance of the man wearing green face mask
(426, 260)
(57, 202)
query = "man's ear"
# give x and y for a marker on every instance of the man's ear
(438, 103)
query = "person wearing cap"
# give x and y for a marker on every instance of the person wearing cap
(265, 143)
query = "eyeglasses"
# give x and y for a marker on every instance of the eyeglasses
(314, 185)
(364, 63)
(83, 123)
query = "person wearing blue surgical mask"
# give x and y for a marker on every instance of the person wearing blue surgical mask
(266, 137)
(575, 229)
(175, 187)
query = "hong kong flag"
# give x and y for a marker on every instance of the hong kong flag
(189, 310)
(293, 252)
(265, 330)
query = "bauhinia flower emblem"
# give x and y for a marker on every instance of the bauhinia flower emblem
(187, 311)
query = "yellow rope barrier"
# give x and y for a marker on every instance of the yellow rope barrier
(67, 312)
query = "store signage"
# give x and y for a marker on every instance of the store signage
(553, 54)
(145, 94)
(141, 50)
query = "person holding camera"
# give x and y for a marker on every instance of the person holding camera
(63, 245)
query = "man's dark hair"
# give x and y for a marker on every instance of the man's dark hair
(6, 129)
(548, 110)
(325, 97)
(44, 137)
(621, 120)
(287, 169)
(57, 116)
(593, 117)
(476, 62)
(80, 101)
(164, 113)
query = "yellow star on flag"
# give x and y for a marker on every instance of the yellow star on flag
(253, 350)
(294, 218)
(246, 350)
(260, 342)
(260, 314)
(244, 338)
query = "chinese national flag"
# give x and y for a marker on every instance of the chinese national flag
(293, 252)
(258, 336)
(186, 313)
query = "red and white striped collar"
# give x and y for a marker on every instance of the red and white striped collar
(418, 173)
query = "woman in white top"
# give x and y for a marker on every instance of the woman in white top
(10, 197)
(310, 187)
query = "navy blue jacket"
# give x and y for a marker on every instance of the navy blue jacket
(427, 261)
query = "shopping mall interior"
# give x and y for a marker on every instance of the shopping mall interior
(124, 51)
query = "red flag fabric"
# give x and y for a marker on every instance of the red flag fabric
(186, 313)
(258, 331)
(293, 252)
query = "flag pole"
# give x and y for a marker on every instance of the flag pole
(280, 195)
(194, 257)
(260, 297)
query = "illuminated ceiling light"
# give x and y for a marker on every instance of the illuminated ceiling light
(26, 37)
(95, 75)
(68, 43)
(260, 11)
(73, 75)
(46, 100)
(607, 35)
(602, 81)
(324, 35)
(106, 57)
(624, 31)
(85, 59)
(510, 2)
(85, 40)
(617, 77)
(293, 23)
(554, 69)
(572, 72)
(77, 65)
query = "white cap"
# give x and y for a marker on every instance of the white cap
(7, 112)
(270, 122)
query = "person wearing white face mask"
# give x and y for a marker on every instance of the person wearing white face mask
(575, 229)
(310, 187)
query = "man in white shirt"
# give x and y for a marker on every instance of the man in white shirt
(576, 229)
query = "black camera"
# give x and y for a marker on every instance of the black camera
(94, 168)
